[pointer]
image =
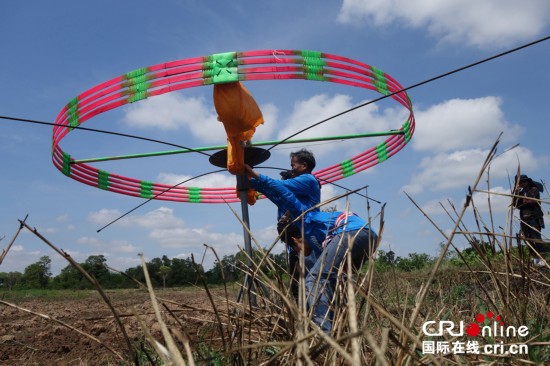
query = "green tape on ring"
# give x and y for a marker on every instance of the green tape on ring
(347, 168)
(382, 151)
(194, 194)
(146, 189)
(103, 179)
(66, 167)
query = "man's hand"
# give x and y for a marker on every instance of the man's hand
(251, 172)
(299, 245)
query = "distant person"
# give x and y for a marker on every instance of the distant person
(307, 190)
(530, 213)
(328, 236)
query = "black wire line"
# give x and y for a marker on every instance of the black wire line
(152, 198)
(326, 182)
(292, 135)
(103, 131)
(218, 171)
(413, 86)
(315, 124)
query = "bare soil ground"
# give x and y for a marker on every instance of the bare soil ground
(28, 339)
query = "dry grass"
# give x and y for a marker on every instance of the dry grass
(383, 326)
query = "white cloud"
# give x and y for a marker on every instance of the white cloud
(17, 248)
(461, 124)
(494, 23)
(116, 246)
(211, 180)
(322, 106)
(184, 237)
(266, 236)
(434, 207)
(167, 231)
(174, 112)
(105, 216)
(88, 241)
(122, 263)
(497, 203)
(459, 169)
(329, 191)
(63, 218)
(265, 130)
(59, 262)
(162, 217)
(122, 246)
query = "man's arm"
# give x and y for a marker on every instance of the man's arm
(301, 184)
(276, 192)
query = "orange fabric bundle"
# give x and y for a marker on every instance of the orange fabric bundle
(240, 115)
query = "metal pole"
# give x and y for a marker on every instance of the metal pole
(248, 285)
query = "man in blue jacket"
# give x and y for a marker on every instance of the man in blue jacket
(328, 236)
(301, 182)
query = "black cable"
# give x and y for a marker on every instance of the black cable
(289, 137)
(413, 86)
(102, 131)
(315, 124)
(155, 196)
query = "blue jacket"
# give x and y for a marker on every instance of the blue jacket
(305, 188)
(317, 226)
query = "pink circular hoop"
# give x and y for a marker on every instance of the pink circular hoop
(223, 68)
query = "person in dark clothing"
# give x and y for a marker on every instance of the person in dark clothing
(530, 213)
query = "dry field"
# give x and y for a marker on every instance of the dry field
(30, 339)
(385, 325)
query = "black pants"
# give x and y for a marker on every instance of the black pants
(531, 227)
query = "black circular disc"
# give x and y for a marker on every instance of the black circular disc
(252, 156)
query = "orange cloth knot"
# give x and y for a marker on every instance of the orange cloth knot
(240, 115)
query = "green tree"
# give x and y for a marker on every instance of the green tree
(183, 272)
(414, 262)
(385, 261)
(136, 273)
(166, 261)
(164, 271)
(70, 278)
(280, 262)
(10, 279)
(232, 267)
(153, 267)
(38, 274)
(95, 266)
(227, 268)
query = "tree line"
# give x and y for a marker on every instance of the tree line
(167, 272)
(163, 272)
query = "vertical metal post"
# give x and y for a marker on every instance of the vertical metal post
(248, 285)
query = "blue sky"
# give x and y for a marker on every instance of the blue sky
(52, 52)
